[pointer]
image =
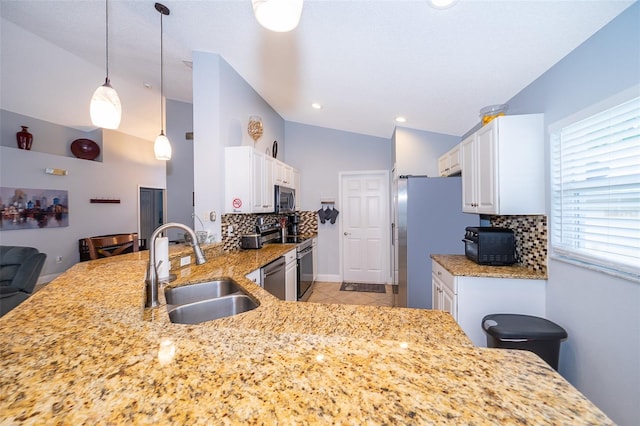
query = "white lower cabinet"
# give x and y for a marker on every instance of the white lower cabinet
(291, 276)
(255, 276)
(469, 299)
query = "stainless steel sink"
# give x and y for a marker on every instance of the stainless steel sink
(207, 310)
(201, 291)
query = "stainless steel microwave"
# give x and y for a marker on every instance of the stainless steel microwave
(285, 201)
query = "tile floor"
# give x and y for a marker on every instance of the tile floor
(327, 292)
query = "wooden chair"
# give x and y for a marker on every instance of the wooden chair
(112, 245)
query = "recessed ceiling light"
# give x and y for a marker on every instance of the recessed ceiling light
(316, 105)
(442, 4)
(401, 119)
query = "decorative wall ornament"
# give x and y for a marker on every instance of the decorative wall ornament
(24, 138)
(23, 208)
(255, 127)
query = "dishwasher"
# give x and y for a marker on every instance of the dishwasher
(273, 278)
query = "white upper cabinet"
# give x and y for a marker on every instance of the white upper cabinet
(503, 167)
(248, 181)
(284, 174)
(250, 177)
(449, 164)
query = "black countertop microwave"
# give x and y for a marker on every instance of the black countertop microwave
(490, 246)
(285, 201)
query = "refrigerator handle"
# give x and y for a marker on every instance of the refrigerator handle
(393, 233)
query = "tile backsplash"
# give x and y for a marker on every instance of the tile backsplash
(531, 238)
(246, 224)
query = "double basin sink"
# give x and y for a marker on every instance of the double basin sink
(207, 301)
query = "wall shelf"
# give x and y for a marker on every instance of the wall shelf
(104, 201)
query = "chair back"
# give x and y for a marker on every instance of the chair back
(112, 245)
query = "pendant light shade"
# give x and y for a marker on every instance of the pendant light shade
(105, 108)
(277, 15)
(162, 146)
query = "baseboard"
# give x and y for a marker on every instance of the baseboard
(329, 278)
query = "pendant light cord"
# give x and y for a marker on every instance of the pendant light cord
(106, 30)
(161, 77)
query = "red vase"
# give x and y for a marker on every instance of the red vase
(25, 139)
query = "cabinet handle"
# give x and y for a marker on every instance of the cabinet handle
(439, 273)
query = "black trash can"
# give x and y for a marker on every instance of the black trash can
(513, 331)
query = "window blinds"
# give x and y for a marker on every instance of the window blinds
(595, 211)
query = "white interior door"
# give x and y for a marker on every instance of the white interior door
(365, 227)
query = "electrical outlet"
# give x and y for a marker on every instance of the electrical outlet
(230, 231)
(58, 259)
(212, 216)
(185, 260)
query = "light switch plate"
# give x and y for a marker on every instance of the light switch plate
(185, 260)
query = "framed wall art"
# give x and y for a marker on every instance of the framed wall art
(26, 208)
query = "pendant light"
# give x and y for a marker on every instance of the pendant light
(162, 146)
(105, 108)
(277, 15)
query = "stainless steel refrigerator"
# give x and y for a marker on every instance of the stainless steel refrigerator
(428, 219)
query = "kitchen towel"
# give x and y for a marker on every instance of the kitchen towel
(162, 257)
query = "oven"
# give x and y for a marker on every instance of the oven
(305, 270)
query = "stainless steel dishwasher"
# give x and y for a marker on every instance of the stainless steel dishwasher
(273, 277)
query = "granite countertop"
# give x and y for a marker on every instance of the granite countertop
(85, 351)
(459, 265)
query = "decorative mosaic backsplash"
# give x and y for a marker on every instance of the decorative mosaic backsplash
(531, 238)
(246, 224)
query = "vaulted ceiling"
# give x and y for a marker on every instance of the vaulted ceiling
(366, 62)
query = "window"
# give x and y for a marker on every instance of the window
(595, 202)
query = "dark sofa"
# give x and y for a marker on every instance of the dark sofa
(20, 268)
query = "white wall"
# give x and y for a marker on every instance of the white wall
(222, 104)
(601, 313)
(127, 163)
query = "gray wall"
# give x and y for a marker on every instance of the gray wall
(180, 167)
(127, 163)
(320, 154)
(601, 313)
(222, 104)
(416, 152)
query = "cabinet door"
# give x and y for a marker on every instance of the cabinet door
(268, 194)
(291, 277)
(467, 148)
(238, 179)
(443, 165)
(436, 300)
(255, 277)
(257, 190)
(486, 169)
(448, 302)
(454, 160)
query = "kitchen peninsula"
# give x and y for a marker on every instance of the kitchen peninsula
(85, 351)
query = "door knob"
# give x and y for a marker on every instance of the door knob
(347, 233)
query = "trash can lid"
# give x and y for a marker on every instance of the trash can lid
(515, 326)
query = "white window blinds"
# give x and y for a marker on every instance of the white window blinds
(595, 212)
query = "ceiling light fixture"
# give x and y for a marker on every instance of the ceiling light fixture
(277, 15)
(162, 146)
(442, 4)
(105, 108)
(316, 105)
(401, 120)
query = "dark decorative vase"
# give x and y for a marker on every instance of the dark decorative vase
(25, 139)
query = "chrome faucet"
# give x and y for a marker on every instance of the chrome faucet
(151, 279)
